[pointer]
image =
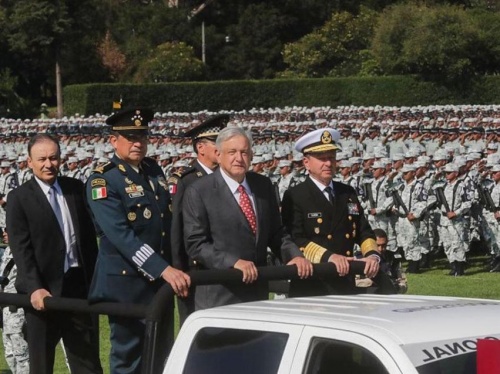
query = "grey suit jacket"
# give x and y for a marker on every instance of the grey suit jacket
(217, 235)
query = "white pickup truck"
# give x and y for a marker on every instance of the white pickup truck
(370, 334)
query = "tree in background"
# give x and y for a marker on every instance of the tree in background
(334, 50)
(170, 62)
(255, 52)
(48, 41)
(112, 58)
(444, 43)
(10, 102)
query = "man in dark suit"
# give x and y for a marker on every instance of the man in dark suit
(129, 200)
(54, 246)
(203, 137)
(325, 218)
(230, 218)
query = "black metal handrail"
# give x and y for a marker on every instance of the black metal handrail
(154, 360)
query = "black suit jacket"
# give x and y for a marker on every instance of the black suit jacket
(217, 234)
(321, 230)
(37, 242)
(315, 224)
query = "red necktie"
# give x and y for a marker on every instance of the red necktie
(247, 208)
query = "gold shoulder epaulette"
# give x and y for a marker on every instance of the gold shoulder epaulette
(104, 168)
(173, 179)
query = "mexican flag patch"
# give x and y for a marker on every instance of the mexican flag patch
(99, 193)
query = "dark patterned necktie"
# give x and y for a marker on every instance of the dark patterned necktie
(331, 196)
(247, 208)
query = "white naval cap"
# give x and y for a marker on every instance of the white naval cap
(320, 140)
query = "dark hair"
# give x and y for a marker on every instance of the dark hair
(379, 233)
(39, 138)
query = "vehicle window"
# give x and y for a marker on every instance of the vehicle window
(333, 356)
(223, 350)
(463, 364)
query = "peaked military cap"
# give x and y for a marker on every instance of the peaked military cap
(320, 140)
(131, 120)
(208, 129)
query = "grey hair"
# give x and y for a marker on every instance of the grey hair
(231, 132)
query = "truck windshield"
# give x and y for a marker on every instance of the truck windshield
(223, 350)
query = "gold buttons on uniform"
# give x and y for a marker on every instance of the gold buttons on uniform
(350, 218)
(347, 236)
(320, 220)
(329, 236)
(163, 233)
(348, 253)
(124, 272)
(161, 215)
(301, 249)
(354, 225)
(157, 197)
(161, 252)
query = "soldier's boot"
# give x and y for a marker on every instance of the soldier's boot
(413, 267)
(495, 264)
(460, 268)
(425, 261)
(453, 268)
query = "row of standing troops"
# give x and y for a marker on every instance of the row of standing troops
(425, 206)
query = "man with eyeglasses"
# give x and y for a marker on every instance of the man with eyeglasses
(129, 200)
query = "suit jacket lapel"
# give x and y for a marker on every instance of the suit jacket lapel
(226, 195)
(319, 200)
(39, 199)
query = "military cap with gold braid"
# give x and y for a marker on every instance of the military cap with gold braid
(133, 121)
(208, 129)
(320, 140)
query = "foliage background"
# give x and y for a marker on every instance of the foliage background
(450, 43)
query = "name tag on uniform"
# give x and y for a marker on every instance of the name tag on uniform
(134, 188)
(353, 208)
(135, 194)
(314, 215)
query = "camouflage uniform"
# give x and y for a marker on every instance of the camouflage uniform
(382, 205)
(492, 226)
(15, 346)
(454, 232)
(414, 197)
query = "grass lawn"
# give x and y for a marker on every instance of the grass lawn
(435, 281)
